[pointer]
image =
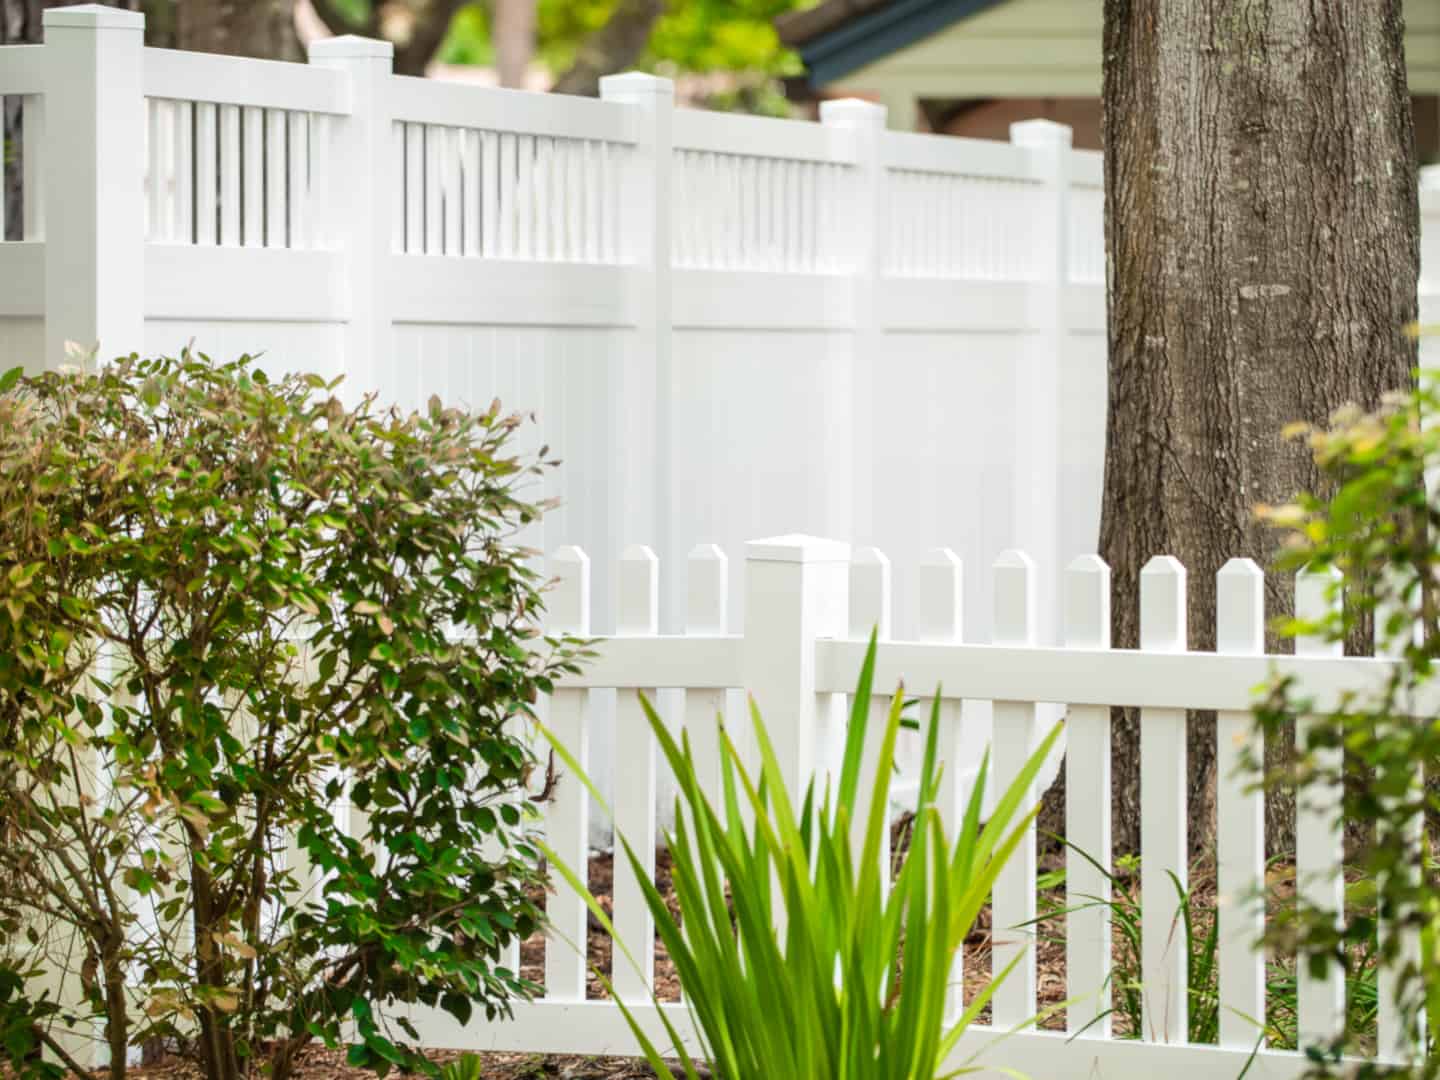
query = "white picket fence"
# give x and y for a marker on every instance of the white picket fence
(809, 610)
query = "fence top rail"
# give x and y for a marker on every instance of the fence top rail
(22, 69)
(1070, 676)
(428, 101)
(763, 137)
(1113, 677)
(234, 80)
(954, 155)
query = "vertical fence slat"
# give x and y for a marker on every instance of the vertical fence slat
(870, 588)
(434, 208)
(707, 593)
(1163, 785)
(941, 622)
(450, 162)
(1240, 816)
(318, 203)
(634, 786)
(1319, 841)
(567, 817)
(229, 175)
(506, 178)
(184, 145)
(490, 193)
(524, 196)
(1396, 1037)
(1087, 812)
(253, 120)
(544, 195)
(414, 189)
(205, 178)
(276, 215)
(575, 199)
(470, 191)
(297, 196)
(612, 167)
(593, 226)
(157, 170)
(1013, 909)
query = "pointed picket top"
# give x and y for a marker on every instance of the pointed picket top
(1014, 622)
(870, 593)
(1386, 643)
(942, 593)
(1162, 605)
(1317, 594)
(567, 607)
(639, 610)
(1240, 607)
(1087, 603)
(707, 590)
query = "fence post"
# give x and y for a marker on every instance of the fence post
(1037, 375)
(797, 590)
(851, 487)
(641, 395)
(93, 169)
(364, 200)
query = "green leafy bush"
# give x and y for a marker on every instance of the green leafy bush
(858, 986)
(1379, 531)
(228, 603)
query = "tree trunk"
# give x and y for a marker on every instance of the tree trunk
(613, 48)
(514, 35)
(1263, 241)
(260, 28)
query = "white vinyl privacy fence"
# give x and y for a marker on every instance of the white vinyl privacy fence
(810, 605)
(726, 326)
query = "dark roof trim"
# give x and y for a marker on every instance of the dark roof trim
(880, 31)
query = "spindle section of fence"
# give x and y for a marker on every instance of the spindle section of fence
(1013, 910)
(1240, 815)
(1164, 786)
(1087, 812)
(638, 616)
(706, 613)
(567, 827)
(870, 607)
(1398, 1034)
(960, 743)
(1319, 840)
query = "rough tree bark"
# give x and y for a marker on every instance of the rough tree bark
(262, 28)
(1262, 237)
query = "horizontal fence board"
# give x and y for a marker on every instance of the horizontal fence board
(1093, 677)
(427, 101)
(233, 80)
(762, 137)
(22, 269)
(456, 289)
(246, 284)
(758, 300)
(22, 69)
(596, 1027)
(960, 156)
(693, 661)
